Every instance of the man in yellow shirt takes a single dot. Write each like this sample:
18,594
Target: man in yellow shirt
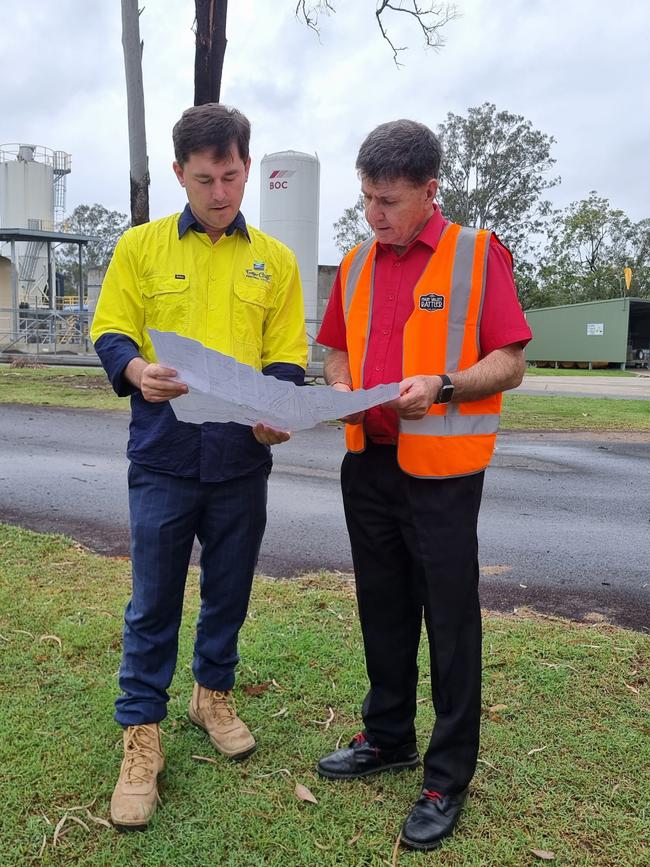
207,275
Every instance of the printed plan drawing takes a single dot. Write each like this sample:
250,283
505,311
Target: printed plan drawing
222,389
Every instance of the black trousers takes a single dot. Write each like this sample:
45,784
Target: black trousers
415,551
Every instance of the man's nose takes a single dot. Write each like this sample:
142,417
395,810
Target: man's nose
218,191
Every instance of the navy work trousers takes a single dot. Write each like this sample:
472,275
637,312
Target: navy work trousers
167,512
415,550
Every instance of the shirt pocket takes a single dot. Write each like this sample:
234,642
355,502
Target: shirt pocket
166,302
250,305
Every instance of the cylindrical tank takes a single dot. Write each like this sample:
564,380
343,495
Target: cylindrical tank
26,188
289,199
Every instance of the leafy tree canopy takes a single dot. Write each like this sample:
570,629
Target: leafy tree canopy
352,227
494,171
590,244
104,226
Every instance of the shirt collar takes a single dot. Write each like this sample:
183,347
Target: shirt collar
187,220
429,234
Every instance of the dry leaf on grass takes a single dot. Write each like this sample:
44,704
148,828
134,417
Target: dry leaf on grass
79,822
543,854
82,806
258,689
303,794
354,839
43,845
396,850
326,722
536,750
281,712
207,759
279,771
98,820
495,708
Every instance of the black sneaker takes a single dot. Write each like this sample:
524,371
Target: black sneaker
432,818
361,759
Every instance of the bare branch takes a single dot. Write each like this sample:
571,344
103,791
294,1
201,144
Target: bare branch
309,12
431,20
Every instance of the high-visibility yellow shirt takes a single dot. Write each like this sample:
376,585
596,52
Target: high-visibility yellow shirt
241,297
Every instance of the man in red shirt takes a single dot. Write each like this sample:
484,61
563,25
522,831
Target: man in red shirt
433,306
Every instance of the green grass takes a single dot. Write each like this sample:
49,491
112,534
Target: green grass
550,413
562,760
88,388
560,371
78,387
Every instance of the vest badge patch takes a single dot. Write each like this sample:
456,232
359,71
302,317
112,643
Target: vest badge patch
432,302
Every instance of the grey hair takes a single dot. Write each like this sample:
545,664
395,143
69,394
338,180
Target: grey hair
400,149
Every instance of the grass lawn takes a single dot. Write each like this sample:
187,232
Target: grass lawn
528,412
78,387
562,761
88,388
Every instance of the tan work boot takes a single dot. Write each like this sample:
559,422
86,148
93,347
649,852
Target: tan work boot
136,793
214,711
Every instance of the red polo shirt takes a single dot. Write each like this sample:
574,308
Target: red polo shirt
502,319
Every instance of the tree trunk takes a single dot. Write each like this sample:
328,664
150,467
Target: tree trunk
210,49
138,161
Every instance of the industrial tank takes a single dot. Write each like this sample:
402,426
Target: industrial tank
289,199
32,196
26,188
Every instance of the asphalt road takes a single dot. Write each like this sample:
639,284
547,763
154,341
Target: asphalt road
619,388
564,528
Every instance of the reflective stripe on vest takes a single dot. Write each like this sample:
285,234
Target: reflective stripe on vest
442,334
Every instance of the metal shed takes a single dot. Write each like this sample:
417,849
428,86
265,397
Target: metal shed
616,332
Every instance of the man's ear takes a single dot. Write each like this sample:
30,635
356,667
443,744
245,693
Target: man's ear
247,168
432,189
178,171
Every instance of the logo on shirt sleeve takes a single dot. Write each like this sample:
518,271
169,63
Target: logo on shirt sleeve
432,302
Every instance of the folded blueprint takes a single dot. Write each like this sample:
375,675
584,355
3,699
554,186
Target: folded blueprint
222,389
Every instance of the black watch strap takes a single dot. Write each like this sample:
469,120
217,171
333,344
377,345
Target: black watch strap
446,389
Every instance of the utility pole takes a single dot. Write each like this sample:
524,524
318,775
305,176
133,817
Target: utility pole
210,49
138,160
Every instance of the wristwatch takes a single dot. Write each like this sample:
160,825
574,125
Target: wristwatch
446,389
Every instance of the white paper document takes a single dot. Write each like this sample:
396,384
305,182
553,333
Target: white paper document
222,389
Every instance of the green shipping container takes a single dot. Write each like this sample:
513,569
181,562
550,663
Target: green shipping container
616,331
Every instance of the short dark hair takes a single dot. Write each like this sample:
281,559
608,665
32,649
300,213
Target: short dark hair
211,127
400,149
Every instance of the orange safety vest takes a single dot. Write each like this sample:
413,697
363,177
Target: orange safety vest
440,336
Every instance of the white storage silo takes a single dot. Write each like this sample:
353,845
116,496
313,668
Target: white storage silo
289,201
32,196
26,189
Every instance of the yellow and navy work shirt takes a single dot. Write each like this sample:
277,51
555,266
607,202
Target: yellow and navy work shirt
240,296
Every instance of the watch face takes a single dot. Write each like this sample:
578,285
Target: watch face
446,393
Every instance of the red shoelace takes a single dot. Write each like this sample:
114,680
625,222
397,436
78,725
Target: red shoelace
432,796
360,738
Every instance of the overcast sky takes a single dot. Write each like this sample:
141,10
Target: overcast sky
577,69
